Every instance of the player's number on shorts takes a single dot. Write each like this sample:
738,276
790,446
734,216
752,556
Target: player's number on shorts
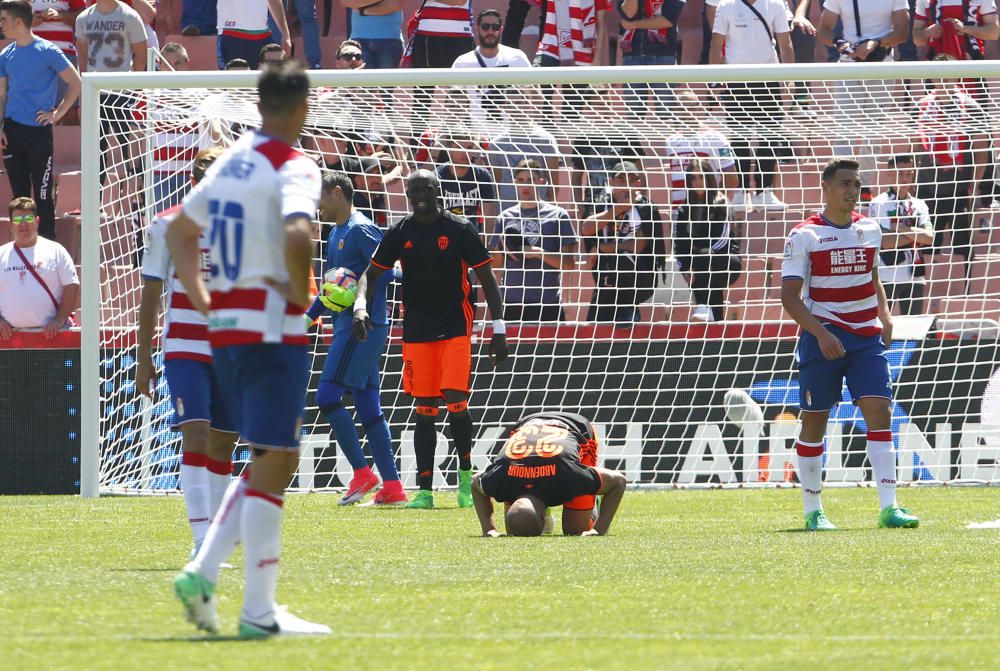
544,441
227,236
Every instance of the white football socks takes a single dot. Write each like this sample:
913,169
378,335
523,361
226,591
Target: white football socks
261,528
194,483
882,457
224,533
810,457
219,474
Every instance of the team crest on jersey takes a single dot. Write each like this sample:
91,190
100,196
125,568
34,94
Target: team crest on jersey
861,235
340,244
443,242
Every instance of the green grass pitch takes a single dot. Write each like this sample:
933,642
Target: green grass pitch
687,580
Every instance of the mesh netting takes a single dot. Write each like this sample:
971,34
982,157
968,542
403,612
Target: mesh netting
662,321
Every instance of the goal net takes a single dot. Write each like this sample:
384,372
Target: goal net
639,251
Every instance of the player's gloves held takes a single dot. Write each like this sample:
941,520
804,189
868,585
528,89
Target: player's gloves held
336,298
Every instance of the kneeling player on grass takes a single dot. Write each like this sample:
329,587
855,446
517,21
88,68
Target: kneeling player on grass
199,411
830,286
352,365
550,459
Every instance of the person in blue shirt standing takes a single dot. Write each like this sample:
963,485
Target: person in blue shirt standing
376,25
353,365
30,69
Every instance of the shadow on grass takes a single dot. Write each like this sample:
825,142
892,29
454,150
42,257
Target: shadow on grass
800,530
194,638
146,570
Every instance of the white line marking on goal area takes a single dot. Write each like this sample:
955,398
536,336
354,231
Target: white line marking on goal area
995,524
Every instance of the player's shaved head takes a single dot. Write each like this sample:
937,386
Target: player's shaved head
420,179
525,517
422,191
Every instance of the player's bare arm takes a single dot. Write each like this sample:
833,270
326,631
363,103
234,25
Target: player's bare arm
484,509
494,301
884,309
185,249
366,292
149,313
299,248
791,300
612,490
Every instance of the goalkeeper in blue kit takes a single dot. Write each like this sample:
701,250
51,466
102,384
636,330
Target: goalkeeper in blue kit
351,365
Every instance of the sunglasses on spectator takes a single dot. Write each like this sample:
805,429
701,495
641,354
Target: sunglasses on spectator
23,219
490,26
350,56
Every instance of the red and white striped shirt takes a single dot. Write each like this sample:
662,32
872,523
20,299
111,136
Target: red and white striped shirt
938,11
570,33
944,119
178,133
835,264
243,202
57,32
707,144
441,20
185,330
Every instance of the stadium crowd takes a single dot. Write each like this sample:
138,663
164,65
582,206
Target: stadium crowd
721,164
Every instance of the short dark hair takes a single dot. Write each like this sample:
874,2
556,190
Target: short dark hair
335,178
894,161
22,203
203,161
529,165
18,9
831,168
488,12
270,48
235,63
282,86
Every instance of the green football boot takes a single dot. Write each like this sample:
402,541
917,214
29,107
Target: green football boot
818,521
198,597
894,517
423,499
464,488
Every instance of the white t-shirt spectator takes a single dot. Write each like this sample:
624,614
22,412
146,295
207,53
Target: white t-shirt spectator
876,17
707,144
242,18
747,39
507,57
893,213
24,304
110,37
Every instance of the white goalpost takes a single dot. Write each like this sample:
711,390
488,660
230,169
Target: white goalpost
661,321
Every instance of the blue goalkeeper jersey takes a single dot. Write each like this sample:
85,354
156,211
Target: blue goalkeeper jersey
351,245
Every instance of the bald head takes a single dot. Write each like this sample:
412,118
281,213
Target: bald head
422,191
525,517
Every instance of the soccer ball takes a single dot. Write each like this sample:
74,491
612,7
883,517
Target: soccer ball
340,287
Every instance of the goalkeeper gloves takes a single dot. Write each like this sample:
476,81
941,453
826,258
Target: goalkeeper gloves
336,298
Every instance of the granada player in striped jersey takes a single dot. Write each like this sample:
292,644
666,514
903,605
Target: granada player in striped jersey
258,200
830,286
199,411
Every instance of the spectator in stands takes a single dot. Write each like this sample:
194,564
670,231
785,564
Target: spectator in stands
956,148
243,29
198,18
375,27
579,37
111,37
533,241
29,69
648,37
486,102
350,56
237,64
54,21
802,25
442,33
517,13
39,287
467,190
906,228
868,36
146,9
603,143
755,32
174,56
525,138
955,27
370,197
271,53
308,27
626,236
695,140
707,251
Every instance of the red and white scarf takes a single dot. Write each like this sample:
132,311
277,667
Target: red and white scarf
570,34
